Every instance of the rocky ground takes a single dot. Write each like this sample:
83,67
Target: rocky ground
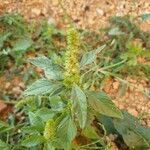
91,14
87,14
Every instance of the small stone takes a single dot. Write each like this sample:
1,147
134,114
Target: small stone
131,88
143,108
36,11
55,2
16,90
140,86
51,21
7,85
133,112
44,11
100,11
116,85
22,85
121,106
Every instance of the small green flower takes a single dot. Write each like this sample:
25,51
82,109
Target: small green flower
50,130
72,68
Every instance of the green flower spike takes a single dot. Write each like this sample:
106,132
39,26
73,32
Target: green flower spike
50,130
72,68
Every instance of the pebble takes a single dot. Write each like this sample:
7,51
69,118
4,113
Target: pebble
16,90
133,112
55,2
51,21
7,85
36,12
116,85
100,11
21,85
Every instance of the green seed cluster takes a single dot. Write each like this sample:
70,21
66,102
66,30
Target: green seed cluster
72,68
50,130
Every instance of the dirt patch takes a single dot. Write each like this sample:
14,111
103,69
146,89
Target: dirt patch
93,14
5,110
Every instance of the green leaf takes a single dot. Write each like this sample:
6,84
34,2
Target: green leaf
102,104
29,129
90,57
41,62
45,114
4,146
48,146
135,136
66,131
107,122
145,17
53,73
41,87
79,105
36,121
56,103
33,140
22,44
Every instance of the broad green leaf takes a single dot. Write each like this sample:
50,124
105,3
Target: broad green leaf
90,57
45,114
29,129
22,44
56,103
66,131
48,146
145,132
53,73
36,121
41,62
79,105
4,146
33,140
102,104
41,87
135,135
145,17
108,124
